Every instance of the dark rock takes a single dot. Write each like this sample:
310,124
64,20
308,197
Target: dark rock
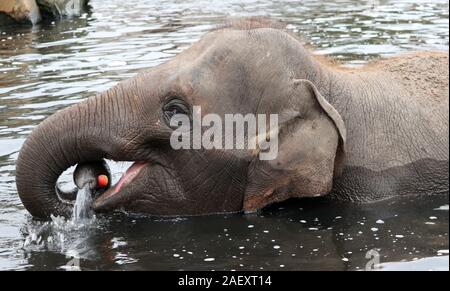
51,9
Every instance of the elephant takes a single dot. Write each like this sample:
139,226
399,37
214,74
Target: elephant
21,11
31,12
356,134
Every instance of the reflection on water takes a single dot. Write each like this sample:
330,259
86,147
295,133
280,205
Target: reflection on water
48,67
307,235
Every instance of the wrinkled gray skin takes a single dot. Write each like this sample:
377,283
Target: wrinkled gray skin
362,134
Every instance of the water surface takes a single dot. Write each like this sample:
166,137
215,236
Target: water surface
50,66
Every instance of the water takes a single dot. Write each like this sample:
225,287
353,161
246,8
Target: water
82,209
48,67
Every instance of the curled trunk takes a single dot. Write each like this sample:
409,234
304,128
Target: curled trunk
77,134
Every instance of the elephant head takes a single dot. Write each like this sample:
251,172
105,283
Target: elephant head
241,68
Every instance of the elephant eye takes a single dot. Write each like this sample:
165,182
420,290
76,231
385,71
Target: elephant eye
174,107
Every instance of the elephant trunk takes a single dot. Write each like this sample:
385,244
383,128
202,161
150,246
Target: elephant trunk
81,133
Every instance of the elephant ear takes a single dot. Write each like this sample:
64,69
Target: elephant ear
311,150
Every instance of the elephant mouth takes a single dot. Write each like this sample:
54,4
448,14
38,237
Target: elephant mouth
112,196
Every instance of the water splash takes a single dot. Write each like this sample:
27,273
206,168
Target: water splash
73,237
65,235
